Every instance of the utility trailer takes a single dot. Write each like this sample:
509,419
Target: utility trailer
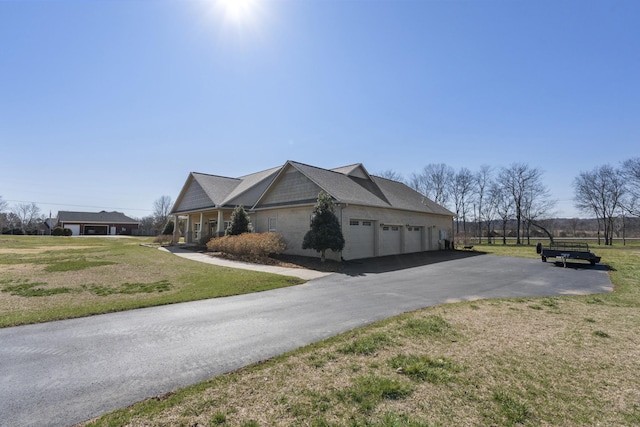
567,250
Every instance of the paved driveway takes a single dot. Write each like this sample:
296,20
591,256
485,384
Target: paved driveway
60,373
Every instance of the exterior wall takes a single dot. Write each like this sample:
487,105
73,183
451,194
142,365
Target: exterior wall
99,229
294,222
431,225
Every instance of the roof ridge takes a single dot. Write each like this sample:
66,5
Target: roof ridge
212,175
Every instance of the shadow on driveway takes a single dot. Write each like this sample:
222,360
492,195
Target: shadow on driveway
386,264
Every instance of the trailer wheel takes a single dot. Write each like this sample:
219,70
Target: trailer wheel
593,262
539,248
544,259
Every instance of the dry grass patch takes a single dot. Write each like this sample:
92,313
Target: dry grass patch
496,362
570,361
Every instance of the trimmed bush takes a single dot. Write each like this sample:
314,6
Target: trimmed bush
59,231
258,245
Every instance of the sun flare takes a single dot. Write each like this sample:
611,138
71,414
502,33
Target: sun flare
237,10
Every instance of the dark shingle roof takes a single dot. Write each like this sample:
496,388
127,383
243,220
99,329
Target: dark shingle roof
95,217
216,187
348,184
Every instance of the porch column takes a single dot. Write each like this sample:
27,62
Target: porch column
220,230
201,234
176,231
188,237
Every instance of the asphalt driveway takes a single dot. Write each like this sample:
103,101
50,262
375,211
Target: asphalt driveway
61,373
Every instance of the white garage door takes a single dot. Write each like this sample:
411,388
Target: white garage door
390,240
75,229
361,239
413,239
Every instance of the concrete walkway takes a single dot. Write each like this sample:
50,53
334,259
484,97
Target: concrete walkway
302,273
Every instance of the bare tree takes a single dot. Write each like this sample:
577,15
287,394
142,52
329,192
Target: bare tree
27,214
489,207
518,180
482,184
574,223
390,174
434,182
537,206
601,192
461,188
161,209
631,173
503,207
3,215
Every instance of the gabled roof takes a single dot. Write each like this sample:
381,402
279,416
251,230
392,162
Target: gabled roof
342,187
216,187
222,191
348,184
95,217
250,181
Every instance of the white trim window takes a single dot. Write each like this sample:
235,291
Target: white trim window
273,225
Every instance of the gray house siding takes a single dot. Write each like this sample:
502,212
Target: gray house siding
194,198
292,188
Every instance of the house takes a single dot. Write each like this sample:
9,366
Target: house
97,223
378,216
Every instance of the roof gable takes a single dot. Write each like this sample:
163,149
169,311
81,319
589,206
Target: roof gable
203,191
356,171
290,186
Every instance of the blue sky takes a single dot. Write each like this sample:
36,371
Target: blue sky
109,104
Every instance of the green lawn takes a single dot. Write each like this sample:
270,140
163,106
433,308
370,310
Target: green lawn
560,361
45,278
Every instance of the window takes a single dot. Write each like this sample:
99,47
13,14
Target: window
354,222
385,228
366,223
395,228
273,224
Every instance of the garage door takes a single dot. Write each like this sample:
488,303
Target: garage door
413,239
75,229
361,239
390,240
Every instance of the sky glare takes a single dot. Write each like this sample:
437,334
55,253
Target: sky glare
109,104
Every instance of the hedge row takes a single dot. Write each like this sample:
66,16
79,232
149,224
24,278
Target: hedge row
259,245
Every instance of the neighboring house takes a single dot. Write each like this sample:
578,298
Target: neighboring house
97,223
378,216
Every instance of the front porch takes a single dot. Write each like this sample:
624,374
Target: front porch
199,227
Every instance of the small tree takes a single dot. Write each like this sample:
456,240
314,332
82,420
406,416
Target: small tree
325,232
240,222
168,228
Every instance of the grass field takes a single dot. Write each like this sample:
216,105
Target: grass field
562,361
46,278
